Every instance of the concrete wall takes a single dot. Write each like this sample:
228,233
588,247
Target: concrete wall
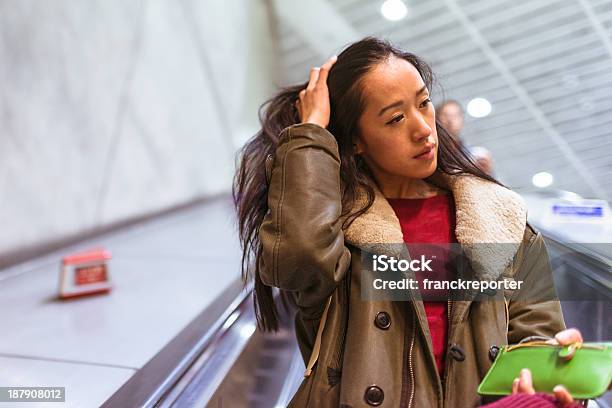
111,109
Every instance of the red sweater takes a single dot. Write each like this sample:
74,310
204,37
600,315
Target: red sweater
426,221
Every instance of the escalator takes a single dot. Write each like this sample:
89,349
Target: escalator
220,360
583,279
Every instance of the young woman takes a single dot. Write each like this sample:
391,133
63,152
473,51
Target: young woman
352,158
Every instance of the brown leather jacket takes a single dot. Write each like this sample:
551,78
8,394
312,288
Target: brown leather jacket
379,353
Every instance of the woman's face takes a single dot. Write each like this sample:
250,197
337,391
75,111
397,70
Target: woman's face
398,122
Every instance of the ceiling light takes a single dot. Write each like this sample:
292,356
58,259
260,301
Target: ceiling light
478,107
393,10
542,179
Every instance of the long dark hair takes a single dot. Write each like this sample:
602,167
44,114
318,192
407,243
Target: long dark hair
347,104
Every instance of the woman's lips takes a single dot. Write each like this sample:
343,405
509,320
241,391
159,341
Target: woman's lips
426,155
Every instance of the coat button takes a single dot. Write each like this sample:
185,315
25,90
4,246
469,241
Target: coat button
382,320
457,352
374,395
493,351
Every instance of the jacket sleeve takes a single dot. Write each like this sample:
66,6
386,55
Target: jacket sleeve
301,235
535,309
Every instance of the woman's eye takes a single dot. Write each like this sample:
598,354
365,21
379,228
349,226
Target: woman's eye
396,119
425,102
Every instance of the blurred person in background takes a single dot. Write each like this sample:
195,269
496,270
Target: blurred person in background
451,116
354,157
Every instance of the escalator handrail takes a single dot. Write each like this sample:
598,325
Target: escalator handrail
594,256
148,386
599,266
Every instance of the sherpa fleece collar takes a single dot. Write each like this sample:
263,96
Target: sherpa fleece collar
486,213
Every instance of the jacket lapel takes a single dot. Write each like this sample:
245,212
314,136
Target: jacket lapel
490,222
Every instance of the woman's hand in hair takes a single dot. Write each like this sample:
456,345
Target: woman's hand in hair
313,103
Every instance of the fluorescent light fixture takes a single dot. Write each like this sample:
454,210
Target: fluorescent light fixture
542,179
393,10
478,108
